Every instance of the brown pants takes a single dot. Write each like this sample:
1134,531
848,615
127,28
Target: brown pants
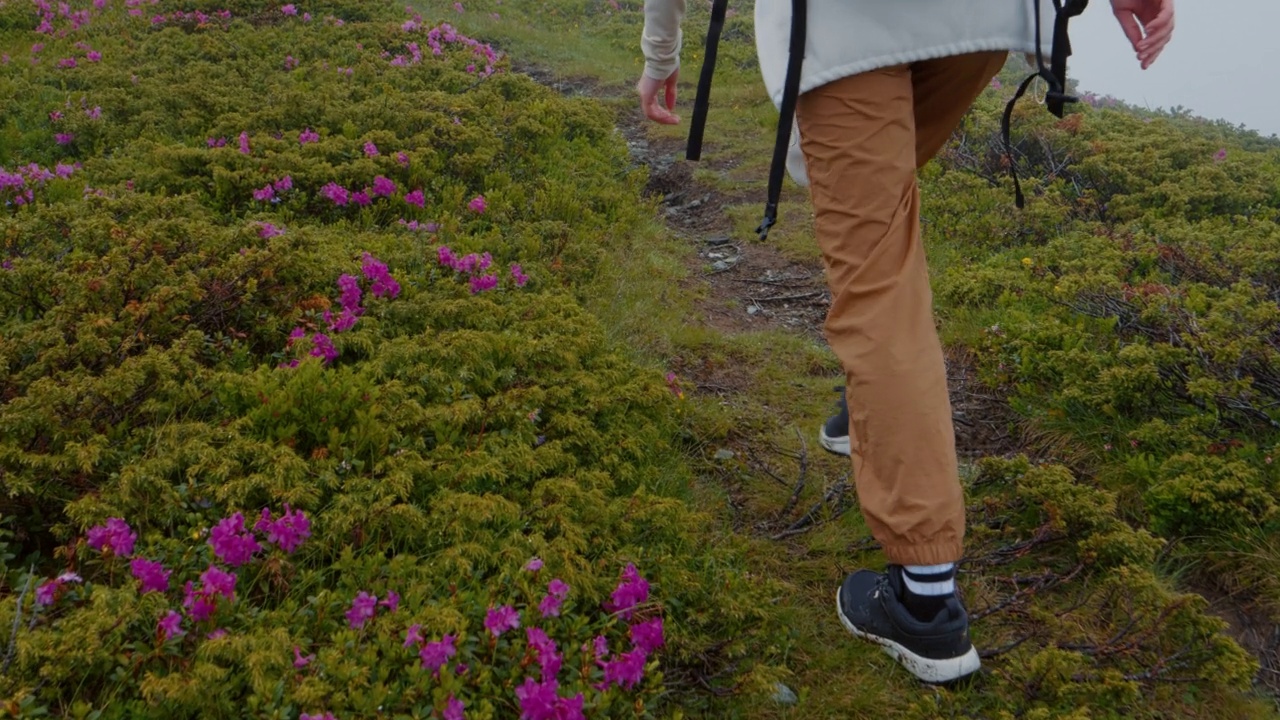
863,138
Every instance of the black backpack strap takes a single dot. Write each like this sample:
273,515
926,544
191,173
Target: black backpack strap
790,94
703,100
1054,75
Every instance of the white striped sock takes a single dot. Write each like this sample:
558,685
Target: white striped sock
931,580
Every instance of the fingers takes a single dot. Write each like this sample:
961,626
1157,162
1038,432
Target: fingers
652,106
671,93
1129,24
1159,32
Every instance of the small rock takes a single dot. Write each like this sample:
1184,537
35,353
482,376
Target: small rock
694,204
719,240
723,454
716,255
784,695
753,309
721,266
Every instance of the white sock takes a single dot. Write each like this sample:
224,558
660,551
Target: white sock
930,580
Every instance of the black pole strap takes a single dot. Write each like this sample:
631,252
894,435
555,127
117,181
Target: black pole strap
1054,74
790,94
702,102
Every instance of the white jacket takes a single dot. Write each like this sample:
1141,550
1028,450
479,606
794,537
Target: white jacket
847,37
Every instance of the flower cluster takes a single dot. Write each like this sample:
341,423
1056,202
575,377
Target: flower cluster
270,191
75,19
350,299
308,136
475,266
115,535
365,605
231,542
18,187
445,34
197,17
47,593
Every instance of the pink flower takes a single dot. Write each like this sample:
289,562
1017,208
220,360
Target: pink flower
67,63
533,565
627,670
501,619
308,136
549,658
335,192
392,601
631,591
231,543
169,626
435,654
478,204
288,532
94,113
317,716
264,193
93,56
64,138
557,591
55,116
116,534
413,635
47,592
647,635
362,609
416,198
299,661
1220,155
284,184
383,285
322,347
217,633
154,576
289,9
370,150
383,187
453,709
402,158
517,274
269,230
480,283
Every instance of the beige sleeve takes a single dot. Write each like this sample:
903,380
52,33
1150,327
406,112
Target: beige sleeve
662,37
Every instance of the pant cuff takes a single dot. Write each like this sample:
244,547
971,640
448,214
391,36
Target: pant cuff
930,554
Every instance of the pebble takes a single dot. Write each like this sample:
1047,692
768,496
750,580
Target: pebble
784,695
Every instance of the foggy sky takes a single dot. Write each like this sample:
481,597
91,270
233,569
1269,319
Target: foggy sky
1220,64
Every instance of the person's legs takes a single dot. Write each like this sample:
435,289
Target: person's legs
864,137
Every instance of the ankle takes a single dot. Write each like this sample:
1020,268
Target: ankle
926,588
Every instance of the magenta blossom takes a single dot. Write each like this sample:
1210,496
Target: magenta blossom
383,285
383,187
48,592
631,591
322,347
264,193
217,633
453,709
244,143
231,543
413,636
541,701
626,670
317,716
308,136
549,657
288,532
478,204
170,626
269,230
647,636
64,138
481,283
289,9
416,198
435,654
533,565
362,609
392,601
115,534
299,660
517,274
152,574
557,591
402,158
501,619
335,192
370,150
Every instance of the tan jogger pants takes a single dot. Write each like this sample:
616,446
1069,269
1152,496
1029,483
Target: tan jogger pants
863,138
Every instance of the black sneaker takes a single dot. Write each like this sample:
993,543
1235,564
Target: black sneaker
938,651
834,435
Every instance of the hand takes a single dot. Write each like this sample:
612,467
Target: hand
659,111
1150,18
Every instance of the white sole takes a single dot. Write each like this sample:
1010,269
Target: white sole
837,445
931,671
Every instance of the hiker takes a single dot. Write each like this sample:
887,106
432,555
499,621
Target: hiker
883,85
